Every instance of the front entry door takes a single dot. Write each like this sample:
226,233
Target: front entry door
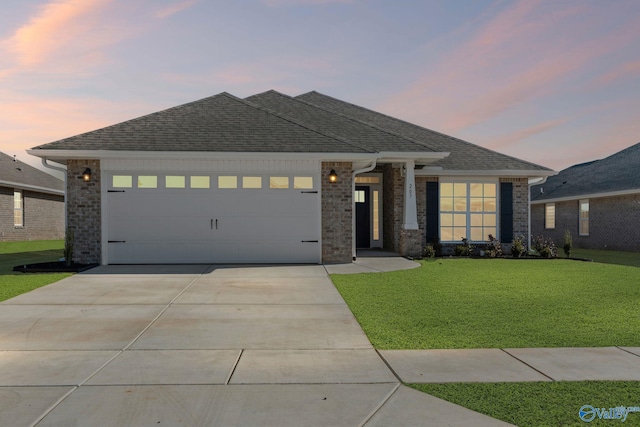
363,217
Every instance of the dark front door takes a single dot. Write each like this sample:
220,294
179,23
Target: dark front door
363,217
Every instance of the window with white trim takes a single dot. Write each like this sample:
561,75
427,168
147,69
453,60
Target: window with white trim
468,210
584,217
549,216
18,209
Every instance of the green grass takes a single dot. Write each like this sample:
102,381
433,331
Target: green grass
539,403
20,253
497,303
607,257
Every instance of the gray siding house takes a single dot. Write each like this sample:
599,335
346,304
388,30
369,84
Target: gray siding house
280,179
598,202
31,202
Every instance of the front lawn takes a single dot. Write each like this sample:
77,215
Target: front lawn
607,257
542,404
497,303
20,253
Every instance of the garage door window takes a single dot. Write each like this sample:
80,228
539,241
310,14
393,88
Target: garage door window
279,182
122,181
251,182
174,181
303,182
227,182
147,181
200,182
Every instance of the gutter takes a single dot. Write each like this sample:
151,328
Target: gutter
353,212
64,171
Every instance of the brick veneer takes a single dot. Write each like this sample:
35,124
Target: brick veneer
43,216
84,210
393,202
613,223
337,209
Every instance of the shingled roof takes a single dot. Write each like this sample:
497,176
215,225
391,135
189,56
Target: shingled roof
221,123
464,155
18,174
618,172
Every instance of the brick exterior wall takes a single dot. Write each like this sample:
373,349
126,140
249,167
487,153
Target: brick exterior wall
613,223
43,216
337,211
393,202
84,211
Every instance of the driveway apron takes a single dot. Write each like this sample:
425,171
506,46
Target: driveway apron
200,345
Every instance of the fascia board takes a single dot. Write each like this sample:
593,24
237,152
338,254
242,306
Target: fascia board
19,186
504,173
587,196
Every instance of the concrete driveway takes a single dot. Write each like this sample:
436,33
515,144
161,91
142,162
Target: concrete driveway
200,346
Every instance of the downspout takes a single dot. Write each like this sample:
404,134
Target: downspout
530,184
353,212
64,172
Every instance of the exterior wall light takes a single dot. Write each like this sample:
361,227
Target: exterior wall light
86,175
333,176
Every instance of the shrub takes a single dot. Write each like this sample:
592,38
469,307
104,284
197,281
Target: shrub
567,243
465,249
545,247
494,248
518,247
429,251
437,246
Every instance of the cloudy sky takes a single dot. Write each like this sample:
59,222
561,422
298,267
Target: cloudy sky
554,82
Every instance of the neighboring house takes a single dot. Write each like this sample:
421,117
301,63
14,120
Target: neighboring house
598,202
31,202
279,179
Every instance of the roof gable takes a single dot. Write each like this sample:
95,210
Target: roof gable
464,155
17,173
618,172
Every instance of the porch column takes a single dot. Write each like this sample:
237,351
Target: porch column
410,206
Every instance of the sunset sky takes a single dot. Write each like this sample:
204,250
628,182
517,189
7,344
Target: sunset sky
554,82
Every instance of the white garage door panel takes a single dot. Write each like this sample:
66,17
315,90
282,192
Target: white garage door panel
212,225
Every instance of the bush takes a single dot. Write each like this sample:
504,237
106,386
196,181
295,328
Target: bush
494,248
518,247
437,246
568,243
429,251
545,247
465,249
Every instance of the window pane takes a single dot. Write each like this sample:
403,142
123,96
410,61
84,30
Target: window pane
279,182
200,182
228,181
376,215
460,220
17,218
174,181
476,190
147,181
446,204
367,180
460,190
446,234
122,181
459,233
477,234
489,220
476,220
476,205
490,190
489,205
550,215
490,230
359,196
460,205
251,182
446,220
446,189
303,182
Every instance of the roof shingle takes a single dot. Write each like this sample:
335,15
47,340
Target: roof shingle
20,173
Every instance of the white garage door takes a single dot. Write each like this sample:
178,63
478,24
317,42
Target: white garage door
212,218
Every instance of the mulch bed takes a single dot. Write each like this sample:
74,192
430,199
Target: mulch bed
53,267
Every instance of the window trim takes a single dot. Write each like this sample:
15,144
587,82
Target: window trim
548,226
19,209
582,220
468,212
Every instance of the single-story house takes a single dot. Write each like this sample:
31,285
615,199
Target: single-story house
31,202
598,202
279,179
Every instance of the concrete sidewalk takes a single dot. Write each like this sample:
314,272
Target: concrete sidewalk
200,346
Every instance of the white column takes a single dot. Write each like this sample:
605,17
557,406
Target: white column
410,207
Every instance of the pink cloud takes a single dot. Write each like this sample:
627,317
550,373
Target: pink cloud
56,25
175,8
274,3
628,69
522,134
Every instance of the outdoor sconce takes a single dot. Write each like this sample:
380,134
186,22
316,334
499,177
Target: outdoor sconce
86,175
333,176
